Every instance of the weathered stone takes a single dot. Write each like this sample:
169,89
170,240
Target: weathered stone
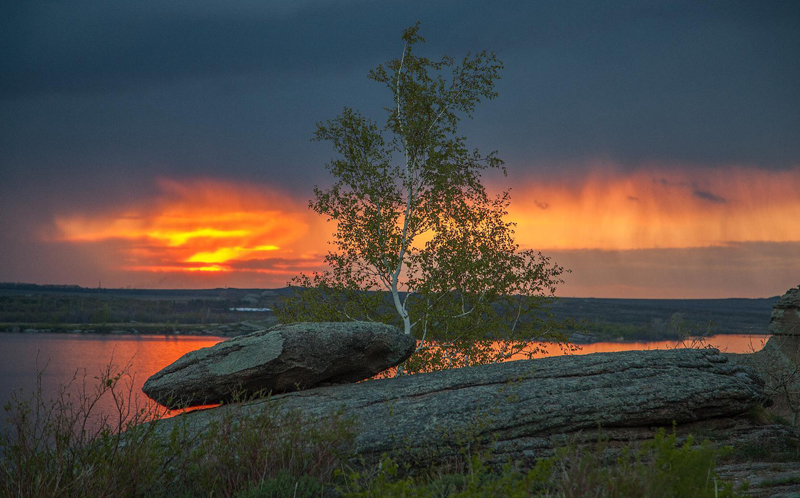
283,359
785,319
779,352
763,479
778,363
522,405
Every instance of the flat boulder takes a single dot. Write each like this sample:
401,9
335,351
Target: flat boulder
282,359
519,408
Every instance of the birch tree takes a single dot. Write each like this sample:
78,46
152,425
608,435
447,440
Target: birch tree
418,240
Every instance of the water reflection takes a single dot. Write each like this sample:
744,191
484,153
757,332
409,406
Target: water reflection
61,356
728,343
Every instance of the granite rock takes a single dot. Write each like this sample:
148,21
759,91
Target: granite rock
282,359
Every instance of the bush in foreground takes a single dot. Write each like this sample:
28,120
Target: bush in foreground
64,447
657,468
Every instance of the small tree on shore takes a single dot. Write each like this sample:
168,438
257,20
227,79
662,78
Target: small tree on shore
415,225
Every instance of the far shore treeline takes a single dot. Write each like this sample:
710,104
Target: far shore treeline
65,308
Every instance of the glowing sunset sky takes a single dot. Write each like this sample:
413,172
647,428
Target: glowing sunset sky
652,147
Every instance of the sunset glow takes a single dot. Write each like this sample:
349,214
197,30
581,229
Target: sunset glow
224,254
212,232
203,226
180,238
652,209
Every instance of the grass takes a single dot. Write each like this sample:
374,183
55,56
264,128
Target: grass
779,481
658,468
63,447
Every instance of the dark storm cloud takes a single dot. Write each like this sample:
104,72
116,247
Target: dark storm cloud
234,88
678,82
708,196
99,98
96,46
541,205
696,191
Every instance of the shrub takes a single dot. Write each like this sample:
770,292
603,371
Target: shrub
241,449
63,447
657,468
285,485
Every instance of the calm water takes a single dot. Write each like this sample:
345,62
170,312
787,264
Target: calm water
729,343
61,356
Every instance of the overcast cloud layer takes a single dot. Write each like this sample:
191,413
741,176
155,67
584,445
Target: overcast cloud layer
98,99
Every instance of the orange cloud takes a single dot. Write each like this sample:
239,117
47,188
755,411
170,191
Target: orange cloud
200,226
646,209
656,232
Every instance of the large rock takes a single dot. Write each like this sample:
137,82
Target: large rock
785,319
520,405
282,359
778,362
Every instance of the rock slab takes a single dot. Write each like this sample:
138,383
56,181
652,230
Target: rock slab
520,405
785,319
282,359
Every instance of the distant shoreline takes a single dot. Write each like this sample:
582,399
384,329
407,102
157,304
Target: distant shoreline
16,288
234,330
144,329
217,312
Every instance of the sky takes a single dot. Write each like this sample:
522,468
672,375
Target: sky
652,147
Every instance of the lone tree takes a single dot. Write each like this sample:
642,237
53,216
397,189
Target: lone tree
415,225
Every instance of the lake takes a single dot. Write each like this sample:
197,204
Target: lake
62,356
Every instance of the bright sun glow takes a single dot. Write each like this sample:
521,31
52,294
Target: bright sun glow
180,238
202,226
224,254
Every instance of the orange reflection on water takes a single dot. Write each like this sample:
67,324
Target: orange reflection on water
64,354
170,350
728,343
90,357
